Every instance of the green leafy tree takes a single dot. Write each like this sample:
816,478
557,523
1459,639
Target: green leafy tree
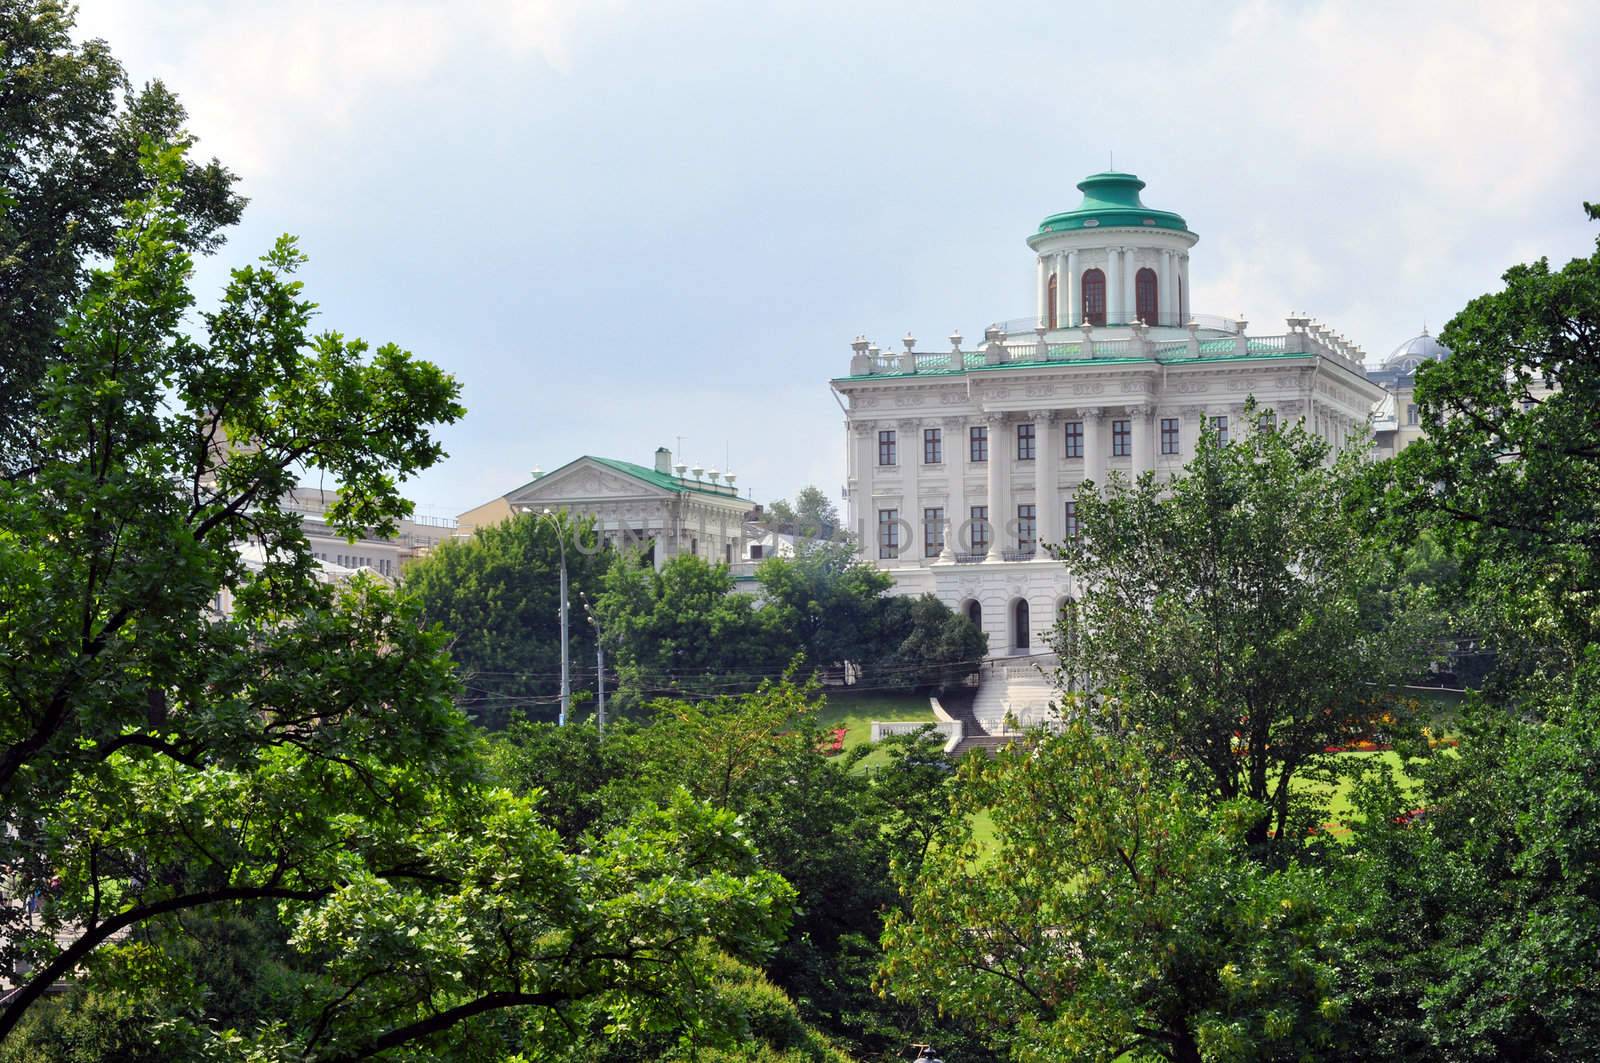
1508,474
923,644
685,628
71,127
813,515
1236,615
498,595
1482,914
827,600
301,759
1115,916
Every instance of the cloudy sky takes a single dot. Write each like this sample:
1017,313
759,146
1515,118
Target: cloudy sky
623,223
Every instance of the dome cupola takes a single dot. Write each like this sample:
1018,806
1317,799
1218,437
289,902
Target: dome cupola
1112,198
1112,261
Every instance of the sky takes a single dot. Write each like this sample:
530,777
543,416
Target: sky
626,225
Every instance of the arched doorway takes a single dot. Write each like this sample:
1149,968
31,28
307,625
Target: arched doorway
1019,624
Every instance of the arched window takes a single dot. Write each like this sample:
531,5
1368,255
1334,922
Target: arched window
1147,308
1094,297
1050,313
975,613
1019,620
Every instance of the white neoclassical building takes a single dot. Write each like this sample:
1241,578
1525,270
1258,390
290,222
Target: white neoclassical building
663,509
962,461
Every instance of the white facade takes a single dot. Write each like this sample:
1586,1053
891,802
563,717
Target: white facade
1017,426
665,510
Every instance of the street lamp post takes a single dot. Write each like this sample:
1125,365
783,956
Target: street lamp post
566,671
600,665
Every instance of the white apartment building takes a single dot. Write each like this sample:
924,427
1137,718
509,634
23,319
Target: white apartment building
962,461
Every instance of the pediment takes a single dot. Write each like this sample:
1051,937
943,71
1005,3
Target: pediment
584,481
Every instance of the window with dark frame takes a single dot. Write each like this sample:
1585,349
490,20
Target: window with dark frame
1169,435
1025,442
1411,413
978,528
933,531
1121,439
886,448
888,533
978,443
1074,439
1146,304
1027,525
1220,426
932,446
1070,528
1094,296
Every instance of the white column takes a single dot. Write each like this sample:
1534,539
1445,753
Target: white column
1183,286
866,521
1169,291
1047,465
955,500
1043,289
1094,444
909,435
1114,286
999,497
1074,296
1143,459
1128,301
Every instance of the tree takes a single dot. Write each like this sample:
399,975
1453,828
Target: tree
1482,915
498,595
684,628
812,516
71,127
1235,614
302,758
827,600
1115,914
1508,473
924,645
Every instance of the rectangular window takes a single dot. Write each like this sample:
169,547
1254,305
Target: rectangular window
1121,439
978,531
888,533
932,446
1074,439
933,531
1220,426
1071,525
755,551
1411,413
978,443
1267,420
1025,442
1027,526
886,448
1169,435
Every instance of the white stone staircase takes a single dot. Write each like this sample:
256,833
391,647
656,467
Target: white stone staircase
1019,687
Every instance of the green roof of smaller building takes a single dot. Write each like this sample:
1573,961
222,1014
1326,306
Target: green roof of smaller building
664,480
1112,199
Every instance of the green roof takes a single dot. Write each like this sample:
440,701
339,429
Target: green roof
664,479
1112,198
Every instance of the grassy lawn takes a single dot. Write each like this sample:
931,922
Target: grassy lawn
855,713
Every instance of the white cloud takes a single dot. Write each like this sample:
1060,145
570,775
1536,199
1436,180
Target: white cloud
261,81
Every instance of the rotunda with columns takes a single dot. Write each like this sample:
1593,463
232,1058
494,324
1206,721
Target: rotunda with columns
963,461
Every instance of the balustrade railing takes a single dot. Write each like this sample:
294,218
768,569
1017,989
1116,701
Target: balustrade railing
1209,337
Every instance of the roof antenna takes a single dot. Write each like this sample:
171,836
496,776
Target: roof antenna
1111,161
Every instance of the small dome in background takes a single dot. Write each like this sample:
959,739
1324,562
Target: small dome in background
1413,352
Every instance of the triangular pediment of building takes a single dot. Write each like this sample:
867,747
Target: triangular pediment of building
584,480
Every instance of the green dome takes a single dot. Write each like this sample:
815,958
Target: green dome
1111,198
